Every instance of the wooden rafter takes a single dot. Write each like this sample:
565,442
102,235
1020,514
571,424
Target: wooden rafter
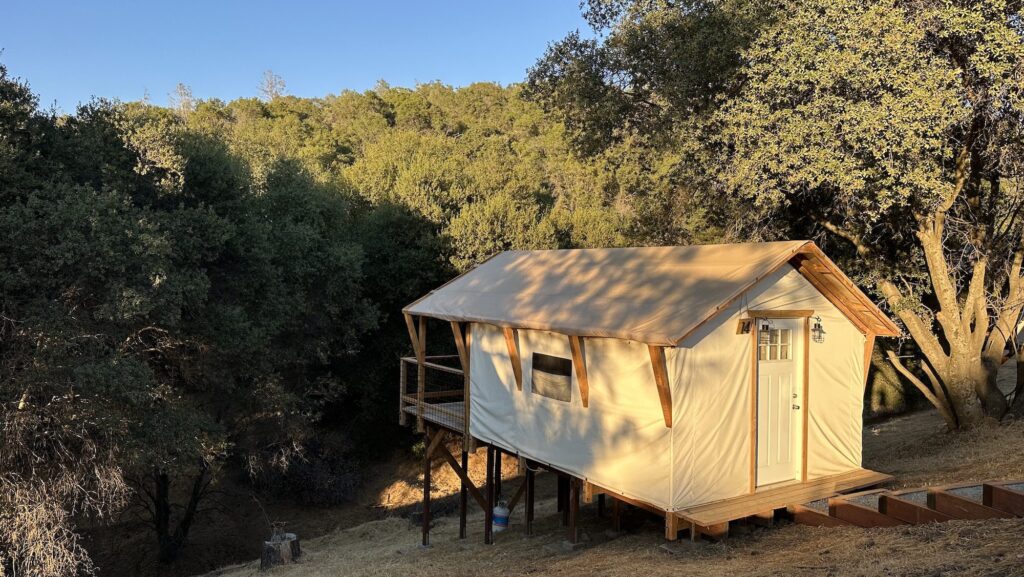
869,347
410,324
579,362
460,344
661,381
513,355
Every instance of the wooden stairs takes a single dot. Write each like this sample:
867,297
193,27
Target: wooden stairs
884,508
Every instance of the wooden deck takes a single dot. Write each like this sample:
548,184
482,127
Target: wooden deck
446,415
777,497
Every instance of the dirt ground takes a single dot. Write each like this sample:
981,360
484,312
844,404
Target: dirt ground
914,448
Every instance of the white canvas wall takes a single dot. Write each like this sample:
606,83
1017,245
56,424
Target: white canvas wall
711,378
621,442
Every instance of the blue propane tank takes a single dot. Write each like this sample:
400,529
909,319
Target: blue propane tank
501,514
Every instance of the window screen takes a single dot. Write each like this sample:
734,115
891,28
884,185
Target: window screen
552,377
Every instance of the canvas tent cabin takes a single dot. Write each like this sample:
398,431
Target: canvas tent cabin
707,383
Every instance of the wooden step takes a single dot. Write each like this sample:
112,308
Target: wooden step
963,501
910,506
815,514
1006,496
861,509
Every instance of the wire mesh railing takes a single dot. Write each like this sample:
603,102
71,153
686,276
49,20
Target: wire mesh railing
433,392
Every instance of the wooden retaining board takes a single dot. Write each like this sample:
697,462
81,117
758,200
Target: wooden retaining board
850,509
1007,496
945,500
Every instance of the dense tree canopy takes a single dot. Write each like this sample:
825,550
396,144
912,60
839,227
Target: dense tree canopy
889,131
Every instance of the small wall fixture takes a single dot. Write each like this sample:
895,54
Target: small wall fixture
817,331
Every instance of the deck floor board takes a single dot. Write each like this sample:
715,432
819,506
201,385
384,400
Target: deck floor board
781,496
447,415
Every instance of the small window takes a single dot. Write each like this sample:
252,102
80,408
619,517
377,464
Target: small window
779,345
552,377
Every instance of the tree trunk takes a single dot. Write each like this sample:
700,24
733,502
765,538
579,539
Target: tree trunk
1018,389
171,541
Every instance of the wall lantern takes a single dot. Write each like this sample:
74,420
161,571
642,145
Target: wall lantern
764,335
817,331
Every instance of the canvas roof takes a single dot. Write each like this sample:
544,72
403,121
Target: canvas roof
656,295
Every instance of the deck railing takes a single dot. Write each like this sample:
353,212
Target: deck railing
439,400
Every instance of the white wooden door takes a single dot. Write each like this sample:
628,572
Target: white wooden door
778,400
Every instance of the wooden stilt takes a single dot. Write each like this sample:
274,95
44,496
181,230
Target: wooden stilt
563,498
426,491
574,510
497,474
489,511
463,496
671,526
616,514
530,496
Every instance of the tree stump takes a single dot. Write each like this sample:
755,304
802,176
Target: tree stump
281,549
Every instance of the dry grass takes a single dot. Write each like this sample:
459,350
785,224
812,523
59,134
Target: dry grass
913,447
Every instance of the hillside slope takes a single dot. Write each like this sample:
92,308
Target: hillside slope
913,448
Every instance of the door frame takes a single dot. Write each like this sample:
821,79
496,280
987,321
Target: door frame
805,339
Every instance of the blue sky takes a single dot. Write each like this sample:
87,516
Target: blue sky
71,51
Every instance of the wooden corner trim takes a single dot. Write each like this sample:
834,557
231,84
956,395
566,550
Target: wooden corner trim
579,363
661,381
753,411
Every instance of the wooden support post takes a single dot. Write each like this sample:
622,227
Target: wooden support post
764,518
513,355
463,496
661,381
426,491
467,438
671,526
421,372
579,362
530,497
403,375
715,532
497,474
616,515
600,506
489,511
563,498
574,510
